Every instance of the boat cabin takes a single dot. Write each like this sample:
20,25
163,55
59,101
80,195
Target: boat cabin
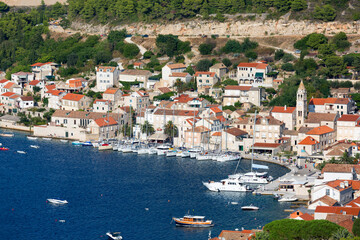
189,218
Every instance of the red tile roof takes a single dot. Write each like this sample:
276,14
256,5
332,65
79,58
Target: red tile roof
236,132
108,121
111,91
7,94
320,130
279,109
322,101
354,211
308,141
27,98
50,87
3,80
40,64
254,65
9,85
176,65
349,118
164,89
54,92
307,217
138,63
15,96
241,88
216,134
339,168
34,82
337,185
105,68
216,110
212,74
179,74
73,97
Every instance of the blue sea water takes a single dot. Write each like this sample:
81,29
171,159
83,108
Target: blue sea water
110,191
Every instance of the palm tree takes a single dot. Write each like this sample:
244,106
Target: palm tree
341,233
147,128
171,130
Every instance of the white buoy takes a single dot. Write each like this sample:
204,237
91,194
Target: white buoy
147,209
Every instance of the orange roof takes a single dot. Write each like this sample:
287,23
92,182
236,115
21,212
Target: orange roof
101,100
179,74
73,97
221,118
102,122
7,94
308,141
40,64
9,85
278,80
34,82
212,74
216,134
105,68
14,96
355,184
336,184
176,65
74,83
320,130
50,87
216,110
285,109
3,80
349,118
241,88
307,217
322,101
111,91
254,65
138,63
355,211
54,92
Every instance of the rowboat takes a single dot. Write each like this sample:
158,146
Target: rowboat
77,143
287,199
6,134
250,208
34,146
31,138
56,201
193,222
21,152
114,235
105,146
64,140
46,138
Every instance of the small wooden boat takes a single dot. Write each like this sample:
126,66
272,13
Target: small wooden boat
77,143
287,199
21,152
31,138
34,146
193,222
64,140
114,235
250,208
6,134
4,149
56,201
46,138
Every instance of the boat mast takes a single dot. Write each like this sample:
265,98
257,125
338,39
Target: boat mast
193,130
145,116
252,149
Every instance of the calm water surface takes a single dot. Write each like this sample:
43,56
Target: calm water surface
109,191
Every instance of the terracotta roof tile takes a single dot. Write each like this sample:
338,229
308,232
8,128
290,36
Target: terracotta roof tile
339,168
27,98
105,68
349,118
73,97
179,74
319,117
176,65
327,200
320,130
111,90
278,109
308,141
234,87
322,101
7,94
267,145
254,65
107,121
34,82
212,74
236,132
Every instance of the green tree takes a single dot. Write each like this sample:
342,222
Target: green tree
326,50
4,7
203,65
148,54
298,5
171,130
340,41
356,227
232,46
207,97
230,82
279,54
251,55
288,57
335,66
117,36
315,40
130,50
226,62
205,48
341,233
147,128
325,13
288,67
261,236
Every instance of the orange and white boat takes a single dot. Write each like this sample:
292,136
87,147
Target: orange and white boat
193,221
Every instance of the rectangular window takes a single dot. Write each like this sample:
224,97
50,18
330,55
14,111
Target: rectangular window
328,192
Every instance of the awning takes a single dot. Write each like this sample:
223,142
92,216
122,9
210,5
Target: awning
158,137
259,75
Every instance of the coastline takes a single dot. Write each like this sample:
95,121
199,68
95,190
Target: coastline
17,128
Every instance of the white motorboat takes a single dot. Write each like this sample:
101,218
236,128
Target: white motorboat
21,152
105,146
227,157
162,149
195,151
114,235
183,154
152,151
287,199
127,149
234,203
203,157
46,138
31,138
249,208
227,185
171,153
56,201
251,178
34,146
143,151
64,140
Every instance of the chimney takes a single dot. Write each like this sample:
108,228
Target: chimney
344,212
346,183
342,185
285,107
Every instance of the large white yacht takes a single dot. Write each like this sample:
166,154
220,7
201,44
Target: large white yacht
162,149
195,151
227,157
227,185
251,178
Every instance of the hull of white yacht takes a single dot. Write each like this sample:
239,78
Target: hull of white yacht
225,187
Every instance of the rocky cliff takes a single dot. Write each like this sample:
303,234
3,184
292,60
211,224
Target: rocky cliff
280,27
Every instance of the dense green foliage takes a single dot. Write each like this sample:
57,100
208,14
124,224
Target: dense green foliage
203,65
356,227
234,46
165,96
325,13
207,97
230,82
295,229
206,48
171,45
